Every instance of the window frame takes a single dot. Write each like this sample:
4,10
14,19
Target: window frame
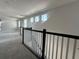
44,15
38,17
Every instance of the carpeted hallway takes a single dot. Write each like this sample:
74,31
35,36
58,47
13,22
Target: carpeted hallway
11,48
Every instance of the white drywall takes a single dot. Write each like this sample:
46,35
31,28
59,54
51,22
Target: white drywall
64,19
9,26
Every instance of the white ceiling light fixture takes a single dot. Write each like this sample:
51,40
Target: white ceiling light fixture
20,16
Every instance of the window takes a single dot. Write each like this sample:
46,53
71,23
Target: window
44,17
37,18
18,23
32,20
25,23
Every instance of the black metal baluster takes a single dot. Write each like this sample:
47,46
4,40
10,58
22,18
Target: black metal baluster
57,47
22,35
61,47
53,47
67,50
74,49
43,45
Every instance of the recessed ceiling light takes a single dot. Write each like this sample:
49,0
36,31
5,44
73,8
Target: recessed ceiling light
19,16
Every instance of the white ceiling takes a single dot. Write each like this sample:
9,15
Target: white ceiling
20,7
16,8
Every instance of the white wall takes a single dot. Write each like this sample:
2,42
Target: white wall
9,26
64,19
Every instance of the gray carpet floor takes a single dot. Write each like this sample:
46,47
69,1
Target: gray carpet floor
11,48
